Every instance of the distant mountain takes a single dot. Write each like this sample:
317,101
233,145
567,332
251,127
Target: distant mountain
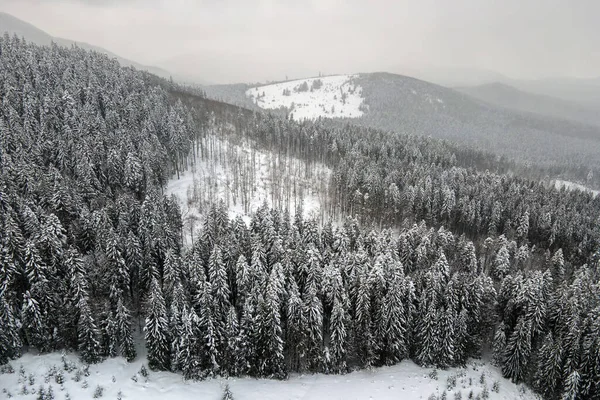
15,26
451,76
585,92
408,105
510,97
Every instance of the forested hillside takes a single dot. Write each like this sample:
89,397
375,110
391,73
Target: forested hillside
538,145
424,256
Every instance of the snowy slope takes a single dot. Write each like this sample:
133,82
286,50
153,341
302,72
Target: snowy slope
574,186
403,381
337,97
244,178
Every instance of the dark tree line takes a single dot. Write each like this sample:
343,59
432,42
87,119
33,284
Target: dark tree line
429,259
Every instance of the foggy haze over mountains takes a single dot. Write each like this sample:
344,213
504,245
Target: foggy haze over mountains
460,43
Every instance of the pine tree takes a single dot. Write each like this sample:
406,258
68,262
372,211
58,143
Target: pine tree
157,329
338,340
502,263
517,351
89,346
125,337
10,341
232,351
395,319
314,318
549,368
270,343
571,389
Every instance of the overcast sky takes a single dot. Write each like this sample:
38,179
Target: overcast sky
256,40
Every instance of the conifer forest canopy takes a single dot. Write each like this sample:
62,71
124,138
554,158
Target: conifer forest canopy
423,250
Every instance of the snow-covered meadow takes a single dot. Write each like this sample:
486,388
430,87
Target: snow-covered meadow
115,378
329,96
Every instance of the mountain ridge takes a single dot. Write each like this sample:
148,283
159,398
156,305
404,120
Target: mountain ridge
16,26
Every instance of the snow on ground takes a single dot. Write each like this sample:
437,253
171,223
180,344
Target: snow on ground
574,186
244,178
405,381
337,97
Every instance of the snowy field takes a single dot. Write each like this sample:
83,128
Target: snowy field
336,97
574,186
244,178
115,378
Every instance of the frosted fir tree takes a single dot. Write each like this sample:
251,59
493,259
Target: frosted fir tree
88,343
517,352
124,331
232,349
558,267
364,339
502,263
270,342
338,337
571,387
157,329
296,329
549,367
395,319
523,227
10,341
314,318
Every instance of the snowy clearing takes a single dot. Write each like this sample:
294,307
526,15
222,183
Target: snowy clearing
574,186
403,381
244,178
329,96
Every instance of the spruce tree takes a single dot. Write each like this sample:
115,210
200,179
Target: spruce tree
157,329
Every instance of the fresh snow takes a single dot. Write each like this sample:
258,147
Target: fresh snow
338,97
574,186
405,381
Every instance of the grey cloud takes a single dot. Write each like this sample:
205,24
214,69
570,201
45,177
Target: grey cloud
241,40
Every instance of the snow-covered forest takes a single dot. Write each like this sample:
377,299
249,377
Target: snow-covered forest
417,252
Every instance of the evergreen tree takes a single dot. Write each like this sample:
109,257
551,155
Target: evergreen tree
157,329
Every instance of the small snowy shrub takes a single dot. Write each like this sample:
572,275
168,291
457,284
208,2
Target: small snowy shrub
50,393
458,395
77,376
98,392
41,394
144,371
432,396
227,395
7,369
451,382
120,395
485,394
134,378
59,378
471,395
482,378
114,379
433,374
31,380
86,370
84,384
444,396
496,387
24,390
